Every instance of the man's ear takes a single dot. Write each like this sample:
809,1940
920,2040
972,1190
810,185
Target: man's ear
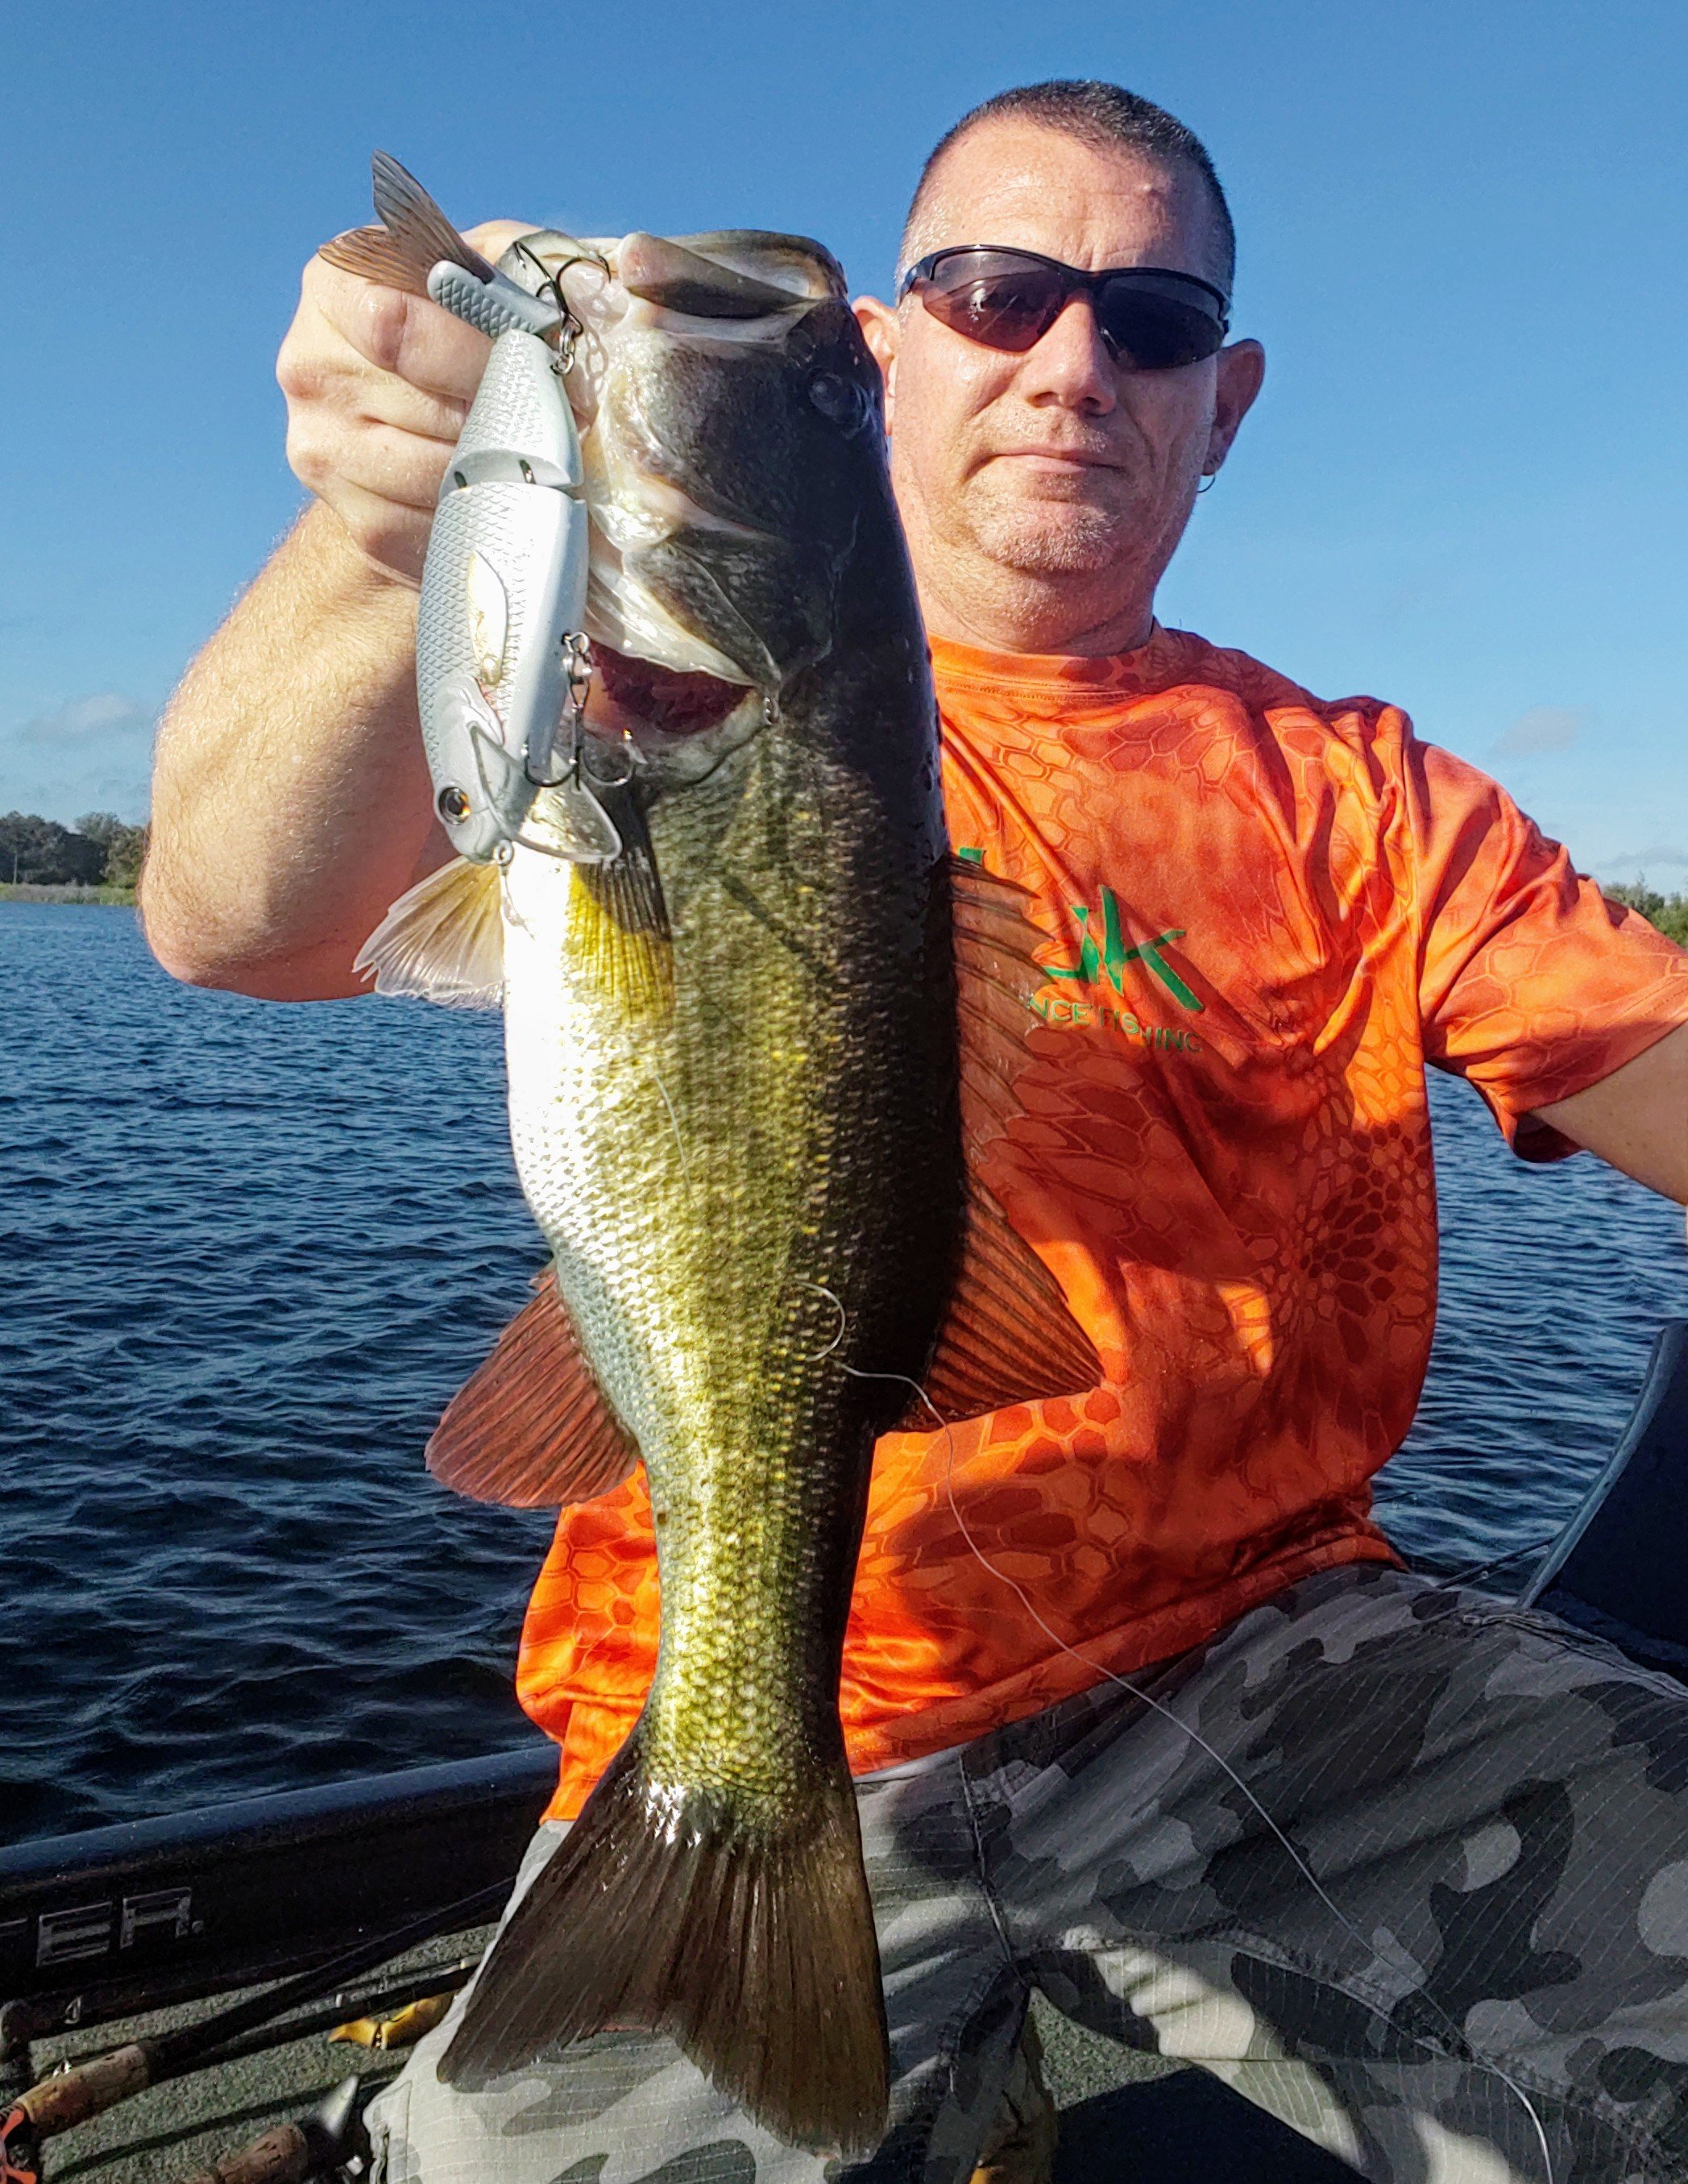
879,329
1242,367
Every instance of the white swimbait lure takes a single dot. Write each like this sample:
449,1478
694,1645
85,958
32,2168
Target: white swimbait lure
501,657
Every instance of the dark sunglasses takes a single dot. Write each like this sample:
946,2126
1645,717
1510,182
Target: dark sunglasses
1149,318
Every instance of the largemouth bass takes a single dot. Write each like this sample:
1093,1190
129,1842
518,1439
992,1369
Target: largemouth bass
744,1072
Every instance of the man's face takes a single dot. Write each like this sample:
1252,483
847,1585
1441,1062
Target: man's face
1054,465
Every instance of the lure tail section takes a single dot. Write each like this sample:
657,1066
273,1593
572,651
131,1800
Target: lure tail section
417,249
753,1948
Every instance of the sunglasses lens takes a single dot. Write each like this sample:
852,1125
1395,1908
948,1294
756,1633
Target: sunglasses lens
1148,332
1150,322
1003,306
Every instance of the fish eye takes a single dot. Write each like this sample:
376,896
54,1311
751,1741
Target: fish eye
453,805
838,400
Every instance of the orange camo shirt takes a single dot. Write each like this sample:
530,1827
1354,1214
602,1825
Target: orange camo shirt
1266,913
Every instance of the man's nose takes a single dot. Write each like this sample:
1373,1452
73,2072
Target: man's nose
1071,364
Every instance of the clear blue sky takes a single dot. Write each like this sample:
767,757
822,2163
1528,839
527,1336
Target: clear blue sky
1462,240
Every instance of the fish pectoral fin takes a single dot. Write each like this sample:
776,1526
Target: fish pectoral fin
618,921
531,1428
748,1941
1008,1336
442,940
997,973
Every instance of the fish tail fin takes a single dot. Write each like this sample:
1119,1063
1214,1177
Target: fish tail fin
752,1947
415,236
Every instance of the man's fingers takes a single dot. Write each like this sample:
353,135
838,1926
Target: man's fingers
410,336
416,340
395,536
317,368
494,237
378,384
325,452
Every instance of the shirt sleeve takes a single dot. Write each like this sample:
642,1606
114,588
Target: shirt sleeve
1531,983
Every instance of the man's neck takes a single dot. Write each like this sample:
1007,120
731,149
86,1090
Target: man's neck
1026,615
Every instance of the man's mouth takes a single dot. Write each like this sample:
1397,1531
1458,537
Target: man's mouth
1059,459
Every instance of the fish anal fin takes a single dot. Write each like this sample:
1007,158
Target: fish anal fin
1008,1336
749,1943
531,1429
442,940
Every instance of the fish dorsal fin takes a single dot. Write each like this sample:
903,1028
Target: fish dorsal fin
997,973
531,1428
1008,1336
442,940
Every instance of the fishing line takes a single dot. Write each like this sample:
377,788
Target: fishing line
680,1148
1476,1571
821,1356
1460,2045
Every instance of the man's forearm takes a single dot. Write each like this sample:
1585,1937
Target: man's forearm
291,799
1637,1117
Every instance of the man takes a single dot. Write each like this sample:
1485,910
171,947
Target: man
1143,1710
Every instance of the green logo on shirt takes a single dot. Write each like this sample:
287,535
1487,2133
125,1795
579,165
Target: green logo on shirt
1108,960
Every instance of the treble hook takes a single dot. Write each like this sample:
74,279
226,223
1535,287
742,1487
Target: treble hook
592,835
572,724
551,279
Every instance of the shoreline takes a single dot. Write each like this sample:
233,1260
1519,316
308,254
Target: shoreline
102,898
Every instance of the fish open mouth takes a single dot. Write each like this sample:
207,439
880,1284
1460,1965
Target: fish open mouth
637,693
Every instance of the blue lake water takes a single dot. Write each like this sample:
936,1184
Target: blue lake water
249,1250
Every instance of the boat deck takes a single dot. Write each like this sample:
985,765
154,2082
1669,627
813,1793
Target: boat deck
283,1875
1126,2119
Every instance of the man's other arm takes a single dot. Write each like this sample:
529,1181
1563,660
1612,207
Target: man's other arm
1637,1117
290,798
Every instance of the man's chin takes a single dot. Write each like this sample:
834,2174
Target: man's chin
1044,528
1038,541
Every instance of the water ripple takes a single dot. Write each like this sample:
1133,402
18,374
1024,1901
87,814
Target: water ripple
248,1251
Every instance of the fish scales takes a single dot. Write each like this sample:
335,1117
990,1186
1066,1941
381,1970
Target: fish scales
736,1088
751,1200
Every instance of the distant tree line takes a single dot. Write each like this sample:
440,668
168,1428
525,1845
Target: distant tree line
1669,912
100,850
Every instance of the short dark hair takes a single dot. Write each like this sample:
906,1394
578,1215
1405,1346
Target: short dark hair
1104,115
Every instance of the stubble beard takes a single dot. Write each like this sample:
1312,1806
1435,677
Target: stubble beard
1038,536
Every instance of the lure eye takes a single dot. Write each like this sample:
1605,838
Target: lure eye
453,805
